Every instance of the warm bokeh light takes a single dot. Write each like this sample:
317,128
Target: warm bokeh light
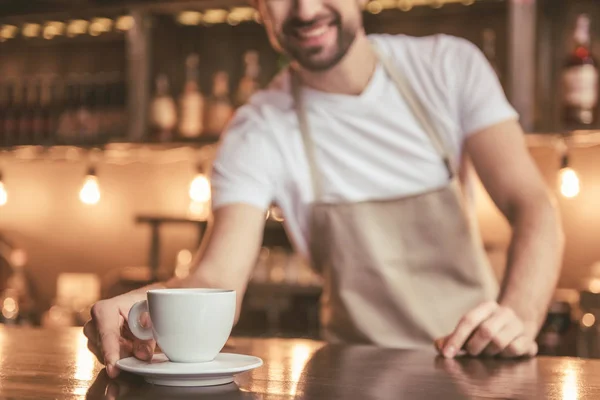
31,30
90,191
215,16
124,23
569,182
8,32
3,194
200,189
53,29
10,308
100,25
375,7
588,320
184,259
199,210
189,18
77,27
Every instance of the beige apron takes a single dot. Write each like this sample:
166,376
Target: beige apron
400,272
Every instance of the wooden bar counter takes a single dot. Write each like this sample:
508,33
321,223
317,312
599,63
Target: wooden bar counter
55,364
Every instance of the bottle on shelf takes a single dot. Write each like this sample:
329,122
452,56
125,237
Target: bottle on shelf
122,116
38,125
67,121
112,111
248,85
3,106
163,111
489,50
86,121
219,108
25,113
9,127
191,102
580,80
53,109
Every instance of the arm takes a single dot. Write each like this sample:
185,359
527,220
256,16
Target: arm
509,326
507,171
228,252
225,260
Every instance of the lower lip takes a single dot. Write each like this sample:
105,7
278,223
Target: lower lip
319,40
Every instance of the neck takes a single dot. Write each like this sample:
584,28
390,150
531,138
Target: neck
350,76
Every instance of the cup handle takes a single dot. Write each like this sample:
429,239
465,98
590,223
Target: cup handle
133,320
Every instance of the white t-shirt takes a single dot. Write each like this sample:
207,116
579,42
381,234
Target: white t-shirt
368,146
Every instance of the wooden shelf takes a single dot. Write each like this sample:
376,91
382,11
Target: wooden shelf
193,143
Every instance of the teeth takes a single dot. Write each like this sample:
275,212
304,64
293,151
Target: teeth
313,32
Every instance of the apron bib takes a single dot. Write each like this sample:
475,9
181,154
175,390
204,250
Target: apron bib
397,272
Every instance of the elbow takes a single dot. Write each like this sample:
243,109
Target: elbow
541,216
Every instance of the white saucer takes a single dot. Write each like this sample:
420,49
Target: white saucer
161,371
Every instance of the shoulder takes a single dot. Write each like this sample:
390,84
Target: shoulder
253,129
434,52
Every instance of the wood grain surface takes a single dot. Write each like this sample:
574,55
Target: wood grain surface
55,364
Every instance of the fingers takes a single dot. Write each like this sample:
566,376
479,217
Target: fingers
144,350
467,325
520,347
507,335
489,329
106,319
500,329
141,349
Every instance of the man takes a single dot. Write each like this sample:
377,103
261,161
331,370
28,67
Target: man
358,143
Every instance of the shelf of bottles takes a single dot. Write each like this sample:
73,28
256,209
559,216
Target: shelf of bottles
195,114
78,109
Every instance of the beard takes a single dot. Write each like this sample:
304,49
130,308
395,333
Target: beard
318,58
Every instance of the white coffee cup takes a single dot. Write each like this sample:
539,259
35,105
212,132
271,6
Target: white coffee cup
189,325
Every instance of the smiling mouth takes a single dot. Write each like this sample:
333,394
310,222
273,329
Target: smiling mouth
310,34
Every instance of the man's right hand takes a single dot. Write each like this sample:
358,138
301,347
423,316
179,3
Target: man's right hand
109,337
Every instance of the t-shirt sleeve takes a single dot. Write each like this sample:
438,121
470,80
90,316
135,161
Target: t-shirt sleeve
480,96
246,164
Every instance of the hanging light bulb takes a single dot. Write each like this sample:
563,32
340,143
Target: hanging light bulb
90,191
200,187
568,180
3,194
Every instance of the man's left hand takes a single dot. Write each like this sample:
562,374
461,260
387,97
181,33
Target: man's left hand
489,330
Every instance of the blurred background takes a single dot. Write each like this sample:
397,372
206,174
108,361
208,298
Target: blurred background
111,111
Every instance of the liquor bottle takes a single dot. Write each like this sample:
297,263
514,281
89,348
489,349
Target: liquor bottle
163,111
3,106
489,50
111,106
249,82
219,109
9,118
191,102
580,80
67,120
100,102
25,114
37,117
53,109
86,112
121,107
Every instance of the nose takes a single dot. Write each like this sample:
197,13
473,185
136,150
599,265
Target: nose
307,10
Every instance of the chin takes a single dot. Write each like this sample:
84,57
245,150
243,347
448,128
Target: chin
318,62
